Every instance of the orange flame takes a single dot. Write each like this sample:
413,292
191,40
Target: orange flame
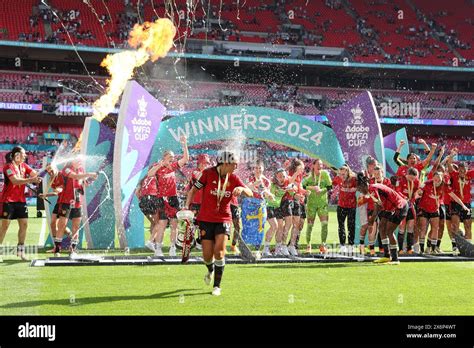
152,41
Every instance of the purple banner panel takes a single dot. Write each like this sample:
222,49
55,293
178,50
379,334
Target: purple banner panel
137,127
357,127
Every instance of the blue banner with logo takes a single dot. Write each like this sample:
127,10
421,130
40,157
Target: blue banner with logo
254,217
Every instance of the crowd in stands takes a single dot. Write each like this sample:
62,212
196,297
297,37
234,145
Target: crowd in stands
370,30
50,89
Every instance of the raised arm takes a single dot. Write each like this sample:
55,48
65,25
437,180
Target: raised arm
396,156
438,159
427,160
184,145
425,145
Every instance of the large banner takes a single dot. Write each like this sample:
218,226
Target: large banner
137,127
391,142
254,216
357,127
48,209
264,124
98,208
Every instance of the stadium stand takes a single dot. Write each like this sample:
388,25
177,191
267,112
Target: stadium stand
370,30
191,95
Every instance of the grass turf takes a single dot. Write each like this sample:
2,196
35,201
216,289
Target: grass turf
262,289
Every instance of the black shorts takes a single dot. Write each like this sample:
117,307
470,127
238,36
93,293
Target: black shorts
444,212
274,213
56,209
296,209
173,201
397,216
456,209
235,210
411,212
14,210
286,208
428,215
148,205
65,210
209,230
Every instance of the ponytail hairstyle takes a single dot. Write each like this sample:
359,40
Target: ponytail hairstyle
11,155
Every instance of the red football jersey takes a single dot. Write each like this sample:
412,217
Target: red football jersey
462,188
402,170
166,180
148,186
347,191
445,198
58,182
407,189
70,194
298,181
432,196
14,193
389,198
208,182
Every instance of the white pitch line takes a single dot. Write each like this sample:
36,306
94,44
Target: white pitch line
42,233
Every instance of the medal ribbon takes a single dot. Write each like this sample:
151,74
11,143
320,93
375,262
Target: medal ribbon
221,193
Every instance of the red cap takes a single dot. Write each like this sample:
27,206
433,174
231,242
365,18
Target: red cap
203,158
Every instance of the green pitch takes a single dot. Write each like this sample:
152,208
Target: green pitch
263,289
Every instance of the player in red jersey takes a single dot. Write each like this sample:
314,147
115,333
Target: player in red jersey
147,194
445,201
17,174
70,203
407,186
391,208
431,194
377,178
346,206
219,184
57,184
298,210
413,160
164,171
286,189
288,210
461,185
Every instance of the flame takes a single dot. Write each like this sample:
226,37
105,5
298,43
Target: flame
152,41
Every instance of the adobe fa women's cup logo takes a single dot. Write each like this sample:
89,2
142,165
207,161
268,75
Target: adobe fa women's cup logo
357,134
141,125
